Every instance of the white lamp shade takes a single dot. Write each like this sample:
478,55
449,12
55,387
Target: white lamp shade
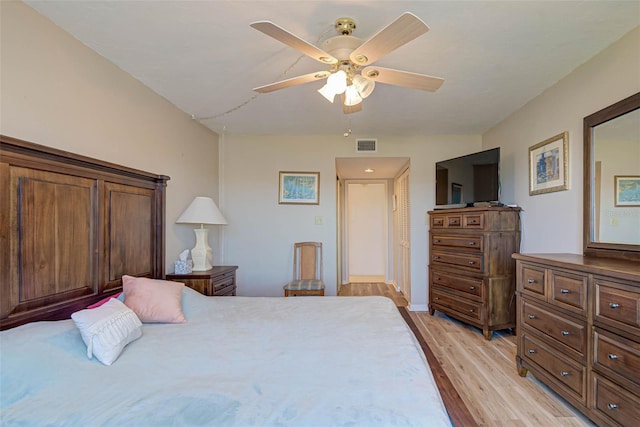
351,96
327,92
338,82
202,210
364,85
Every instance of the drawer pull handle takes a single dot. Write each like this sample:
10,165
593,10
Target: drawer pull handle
612,356
472,288
436,298
471,310
532,351
437,241
614,305
564,373
612,406
565,333
472,243
531,281
531,316
471,262
436,257
564,291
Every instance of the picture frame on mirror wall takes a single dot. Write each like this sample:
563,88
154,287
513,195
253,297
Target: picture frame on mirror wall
627,190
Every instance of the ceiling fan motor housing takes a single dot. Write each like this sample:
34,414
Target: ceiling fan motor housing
340,47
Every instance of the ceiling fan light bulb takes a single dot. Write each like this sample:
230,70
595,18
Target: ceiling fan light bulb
363,85
338,82
351,96
327,92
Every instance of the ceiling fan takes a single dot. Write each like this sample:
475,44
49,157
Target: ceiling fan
351,74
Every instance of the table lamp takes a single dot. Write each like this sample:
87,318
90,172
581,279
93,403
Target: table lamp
202,210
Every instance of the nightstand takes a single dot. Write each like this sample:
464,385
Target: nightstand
218,281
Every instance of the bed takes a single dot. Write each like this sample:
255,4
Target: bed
235,361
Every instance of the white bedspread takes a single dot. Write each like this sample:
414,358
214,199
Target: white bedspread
239,361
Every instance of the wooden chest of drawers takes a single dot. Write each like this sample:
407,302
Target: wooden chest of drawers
471,272
579,332
218,281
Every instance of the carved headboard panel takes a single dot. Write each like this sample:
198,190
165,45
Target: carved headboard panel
70,227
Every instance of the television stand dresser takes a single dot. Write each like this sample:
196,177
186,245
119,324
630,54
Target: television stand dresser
579,331
471,272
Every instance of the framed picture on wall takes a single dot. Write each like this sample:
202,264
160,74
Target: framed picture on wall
299,188
627,190
549,165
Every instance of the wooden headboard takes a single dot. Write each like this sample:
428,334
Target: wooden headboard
70,228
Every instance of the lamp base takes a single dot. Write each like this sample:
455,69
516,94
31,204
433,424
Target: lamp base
201,253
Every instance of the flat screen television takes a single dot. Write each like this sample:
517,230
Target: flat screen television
463,181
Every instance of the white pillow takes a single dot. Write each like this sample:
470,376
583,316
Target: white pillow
107,329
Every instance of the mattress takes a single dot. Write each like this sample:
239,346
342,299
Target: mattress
238,361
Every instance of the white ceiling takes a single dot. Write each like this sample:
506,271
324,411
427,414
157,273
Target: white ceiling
203,57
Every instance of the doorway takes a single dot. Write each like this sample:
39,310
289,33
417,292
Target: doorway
376,247
367,231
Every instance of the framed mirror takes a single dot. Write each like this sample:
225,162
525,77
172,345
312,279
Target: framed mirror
612,181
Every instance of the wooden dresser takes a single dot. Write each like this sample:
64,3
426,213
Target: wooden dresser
579,331
471,272
219,281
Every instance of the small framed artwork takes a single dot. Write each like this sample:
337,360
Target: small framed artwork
456,193
627,190
549,165
299,188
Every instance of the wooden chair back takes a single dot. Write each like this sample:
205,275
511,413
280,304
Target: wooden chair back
307,261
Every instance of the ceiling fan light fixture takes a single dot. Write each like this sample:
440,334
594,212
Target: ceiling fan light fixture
327,92
363,85
337,82
351,96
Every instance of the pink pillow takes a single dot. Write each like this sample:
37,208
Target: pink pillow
102,301
154,300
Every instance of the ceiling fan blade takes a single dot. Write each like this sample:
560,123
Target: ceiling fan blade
404,29
294,81
348,109
403,78
284,36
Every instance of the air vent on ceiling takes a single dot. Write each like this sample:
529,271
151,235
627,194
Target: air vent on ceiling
366,145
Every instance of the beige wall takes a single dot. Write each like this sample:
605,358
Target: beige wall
553,222
57,92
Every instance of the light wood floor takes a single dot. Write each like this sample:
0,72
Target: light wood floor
483,372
